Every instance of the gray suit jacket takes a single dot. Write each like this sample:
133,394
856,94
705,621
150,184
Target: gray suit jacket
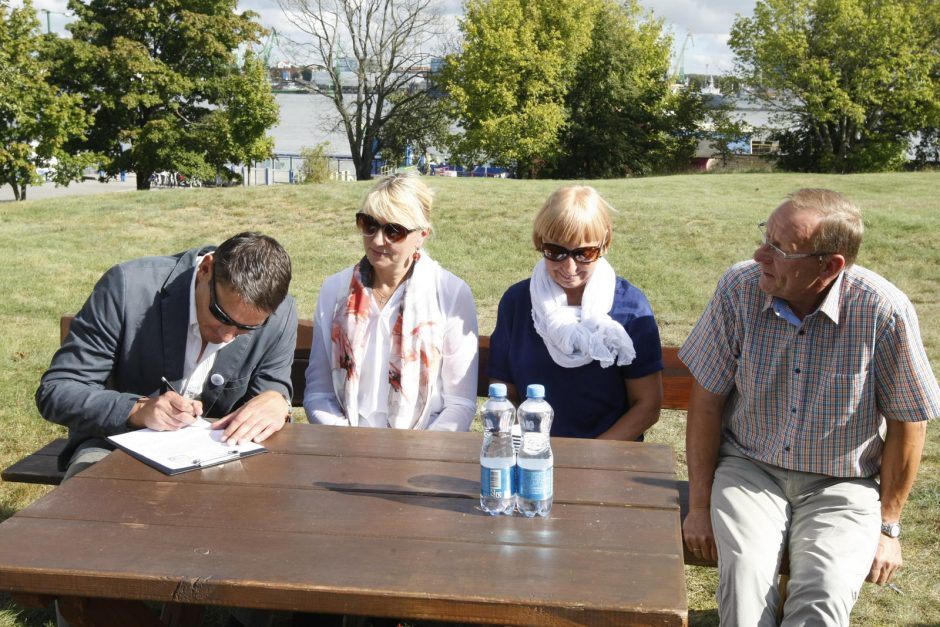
132,331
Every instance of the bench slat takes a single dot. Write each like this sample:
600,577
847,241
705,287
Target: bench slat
39,467
677,380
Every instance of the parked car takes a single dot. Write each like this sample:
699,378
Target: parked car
47,170
490,172
448,170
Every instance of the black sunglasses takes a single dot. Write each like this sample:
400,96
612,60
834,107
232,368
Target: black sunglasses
588,254
369,226
223,317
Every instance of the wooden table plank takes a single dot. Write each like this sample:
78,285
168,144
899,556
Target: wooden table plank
308,439
574,485
636,530
311,572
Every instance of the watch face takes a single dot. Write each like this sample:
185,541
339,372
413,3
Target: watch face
892,530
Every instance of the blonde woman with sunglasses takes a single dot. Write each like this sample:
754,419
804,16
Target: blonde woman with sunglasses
580,330
395,336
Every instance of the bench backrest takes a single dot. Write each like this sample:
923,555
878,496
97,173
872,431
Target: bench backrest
677,380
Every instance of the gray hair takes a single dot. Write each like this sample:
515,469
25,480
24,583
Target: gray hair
840,228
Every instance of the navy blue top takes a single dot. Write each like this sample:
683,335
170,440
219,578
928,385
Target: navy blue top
587,399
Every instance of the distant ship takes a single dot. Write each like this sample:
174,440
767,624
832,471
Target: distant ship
288,87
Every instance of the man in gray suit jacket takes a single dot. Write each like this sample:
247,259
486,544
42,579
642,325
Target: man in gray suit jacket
216,324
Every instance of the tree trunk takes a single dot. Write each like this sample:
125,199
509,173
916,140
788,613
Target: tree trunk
364,170
143,180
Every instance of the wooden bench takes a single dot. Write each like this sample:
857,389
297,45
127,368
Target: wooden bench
41,466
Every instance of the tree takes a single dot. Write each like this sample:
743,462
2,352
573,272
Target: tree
384,47
236,131
420,127
623,118
724,132
927,149
852,80
162,82
508,84
36,119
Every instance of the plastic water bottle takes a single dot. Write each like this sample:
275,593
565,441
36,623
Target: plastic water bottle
497,458
535,461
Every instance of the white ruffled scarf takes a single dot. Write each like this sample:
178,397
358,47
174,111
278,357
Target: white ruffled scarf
596,336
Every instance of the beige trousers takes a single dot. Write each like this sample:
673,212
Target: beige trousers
830,526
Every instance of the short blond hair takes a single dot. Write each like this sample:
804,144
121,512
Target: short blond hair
840,228
401,198
574,213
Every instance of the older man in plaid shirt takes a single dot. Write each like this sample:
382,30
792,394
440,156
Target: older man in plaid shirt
806,421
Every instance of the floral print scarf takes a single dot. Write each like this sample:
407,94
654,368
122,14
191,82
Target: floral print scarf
417,343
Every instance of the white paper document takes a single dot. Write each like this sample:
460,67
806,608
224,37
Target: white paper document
189,448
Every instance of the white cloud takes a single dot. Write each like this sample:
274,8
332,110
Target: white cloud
709,23
697,16
53,14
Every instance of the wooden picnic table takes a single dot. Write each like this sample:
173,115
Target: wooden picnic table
375,522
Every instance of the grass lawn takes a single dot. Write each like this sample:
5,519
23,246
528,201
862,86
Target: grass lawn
673,237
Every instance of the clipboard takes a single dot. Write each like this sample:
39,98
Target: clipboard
190,448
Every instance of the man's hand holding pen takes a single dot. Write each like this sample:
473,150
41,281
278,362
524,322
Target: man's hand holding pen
168,412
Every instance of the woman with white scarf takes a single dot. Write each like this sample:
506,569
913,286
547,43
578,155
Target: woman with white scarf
580,330
395,336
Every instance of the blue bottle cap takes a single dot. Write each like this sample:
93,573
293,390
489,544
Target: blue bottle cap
535,390
497,389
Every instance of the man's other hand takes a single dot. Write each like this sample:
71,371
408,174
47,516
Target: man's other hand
887,560
698,534
256,420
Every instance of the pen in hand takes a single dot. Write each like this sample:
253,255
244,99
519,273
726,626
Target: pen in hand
172,388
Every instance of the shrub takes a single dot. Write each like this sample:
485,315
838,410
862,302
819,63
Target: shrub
316,165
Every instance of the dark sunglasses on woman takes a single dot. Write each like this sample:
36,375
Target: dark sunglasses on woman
369,226
556,253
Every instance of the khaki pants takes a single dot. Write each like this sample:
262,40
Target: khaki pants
830,527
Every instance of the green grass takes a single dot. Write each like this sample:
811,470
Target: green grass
673,237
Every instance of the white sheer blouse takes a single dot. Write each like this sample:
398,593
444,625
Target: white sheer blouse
452,397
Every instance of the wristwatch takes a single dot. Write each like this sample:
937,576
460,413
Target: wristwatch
891,529
290,408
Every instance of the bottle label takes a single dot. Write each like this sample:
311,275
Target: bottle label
496,482
535,485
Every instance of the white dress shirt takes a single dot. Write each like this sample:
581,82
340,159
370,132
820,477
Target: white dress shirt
198,362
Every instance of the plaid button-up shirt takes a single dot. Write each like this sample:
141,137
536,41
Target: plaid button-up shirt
813,397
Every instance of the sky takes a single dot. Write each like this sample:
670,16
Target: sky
701,26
